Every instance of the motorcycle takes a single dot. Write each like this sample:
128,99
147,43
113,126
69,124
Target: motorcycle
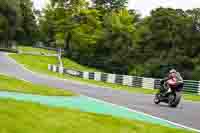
172,98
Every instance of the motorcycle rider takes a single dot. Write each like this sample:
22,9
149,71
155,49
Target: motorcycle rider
173,80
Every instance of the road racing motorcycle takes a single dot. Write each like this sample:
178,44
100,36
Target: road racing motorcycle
172,97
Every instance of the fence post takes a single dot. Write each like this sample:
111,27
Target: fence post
157,83
148,83
199,89
127,80
137,82
111,78
86,75
54,68
61,69
49,67
104,77
97,76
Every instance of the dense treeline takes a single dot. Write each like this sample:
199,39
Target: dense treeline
106,35
100,36
17,22
171,36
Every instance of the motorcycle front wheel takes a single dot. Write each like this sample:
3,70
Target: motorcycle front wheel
157,98
174,99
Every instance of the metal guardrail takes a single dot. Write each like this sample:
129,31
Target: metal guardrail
190,86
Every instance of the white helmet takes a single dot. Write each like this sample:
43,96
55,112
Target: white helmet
172,71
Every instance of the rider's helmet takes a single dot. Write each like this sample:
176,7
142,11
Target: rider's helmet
172,71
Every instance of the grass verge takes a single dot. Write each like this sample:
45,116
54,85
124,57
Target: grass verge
14,85
31,49
192,97
40,65
28,117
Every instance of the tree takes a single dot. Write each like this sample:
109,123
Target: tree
110,4
17,22
115,39
28,31
168,36
69,4
115,50
9,21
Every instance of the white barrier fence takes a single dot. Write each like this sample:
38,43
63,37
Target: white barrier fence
190,86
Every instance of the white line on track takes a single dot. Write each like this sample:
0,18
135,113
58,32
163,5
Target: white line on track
173,123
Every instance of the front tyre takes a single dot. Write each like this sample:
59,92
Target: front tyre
174,99
157,99
177,100
171,99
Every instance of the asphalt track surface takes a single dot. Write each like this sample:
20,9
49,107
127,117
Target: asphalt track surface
187,113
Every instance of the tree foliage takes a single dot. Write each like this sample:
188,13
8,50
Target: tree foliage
9,20
109,36
17,21
110,4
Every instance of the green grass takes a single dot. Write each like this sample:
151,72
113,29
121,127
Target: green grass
75,66
41,66
27,117
39,63
192,97
14,85
31,49
67,62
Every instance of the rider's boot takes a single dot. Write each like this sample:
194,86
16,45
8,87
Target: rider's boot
169,90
